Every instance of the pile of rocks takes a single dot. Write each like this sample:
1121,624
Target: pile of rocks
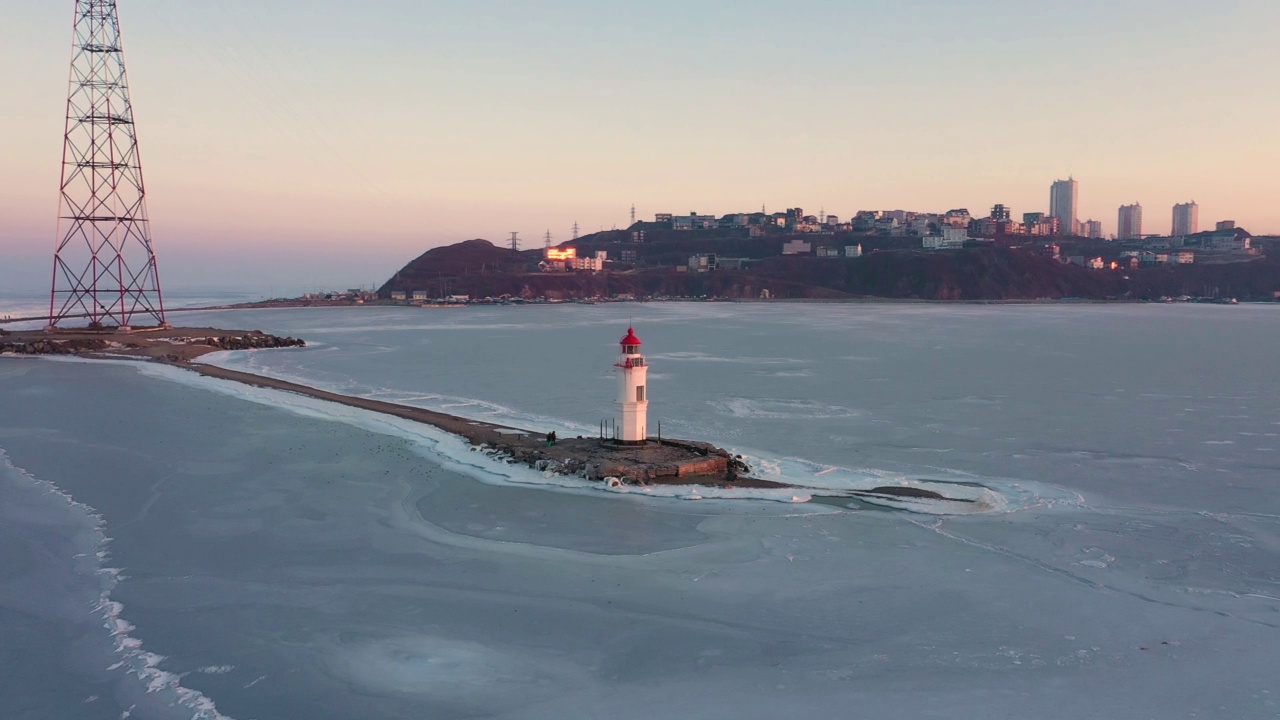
256,340
54,347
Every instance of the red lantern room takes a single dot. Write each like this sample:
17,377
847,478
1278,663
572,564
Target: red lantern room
631,356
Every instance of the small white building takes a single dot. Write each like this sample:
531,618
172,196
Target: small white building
702,262
594,264
950,239
851,251
797,247
1228,241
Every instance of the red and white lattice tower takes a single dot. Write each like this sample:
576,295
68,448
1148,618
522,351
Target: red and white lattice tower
104,267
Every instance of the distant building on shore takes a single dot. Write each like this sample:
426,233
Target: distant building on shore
1064,201
1129,225
1186,219
594,263
797,247
1038,223
950,239
702,262
959,218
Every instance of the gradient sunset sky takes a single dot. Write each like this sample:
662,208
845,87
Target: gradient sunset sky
325,143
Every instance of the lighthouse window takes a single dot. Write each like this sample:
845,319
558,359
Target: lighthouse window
639,393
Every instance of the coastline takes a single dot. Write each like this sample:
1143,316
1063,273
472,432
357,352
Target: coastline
867,300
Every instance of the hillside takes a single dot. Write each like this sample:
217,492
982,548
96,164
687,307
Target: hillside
480,269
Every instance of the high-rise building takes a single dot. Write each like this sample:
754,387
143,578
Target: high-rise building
1186,219
1130,224
1091,229
1000,213
1064,200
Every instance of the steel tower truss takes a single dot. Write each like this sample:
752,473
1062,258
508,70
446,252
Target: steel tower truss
104,267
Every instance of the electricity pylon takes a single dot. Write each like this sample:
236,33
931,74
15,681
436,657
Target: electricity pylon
104,266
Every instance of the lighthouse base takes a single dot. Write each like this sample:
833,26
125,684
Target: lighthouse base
634,444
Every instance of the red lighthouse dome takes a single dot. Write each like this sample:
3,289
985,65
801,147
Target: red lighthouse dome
631,338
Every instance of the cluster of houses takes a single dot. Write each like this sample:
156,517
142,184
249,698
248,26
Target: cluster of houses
794,220
937,231
565,259
354,295
424,296
1223,245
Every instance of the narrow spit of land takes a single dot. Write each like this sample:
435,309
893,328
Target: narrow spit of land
657,462
672,462
161,344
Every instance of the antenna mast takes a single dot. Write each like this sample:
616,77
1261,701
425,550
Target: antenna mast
515,241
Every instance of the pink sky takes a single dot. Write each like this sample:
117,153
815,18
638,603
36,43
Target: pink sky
365,139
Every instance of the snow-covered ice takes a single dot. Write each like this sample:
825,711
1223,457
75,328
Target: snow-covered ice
220,550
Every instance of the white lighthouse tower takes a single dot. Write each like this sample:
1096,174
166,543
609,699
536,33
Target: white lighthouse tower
633,393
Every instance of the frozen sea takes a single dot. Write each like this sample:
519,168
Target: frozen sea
179,547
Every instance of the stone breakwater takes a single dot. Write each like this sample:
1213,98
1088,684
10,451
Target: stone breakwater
657,462
55,347
171,344
673,462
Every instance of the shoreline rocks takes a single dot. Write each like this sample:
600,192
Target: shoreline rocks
172,345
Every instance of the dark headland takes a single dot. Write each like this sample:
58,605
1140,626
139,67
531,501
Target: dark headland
890,268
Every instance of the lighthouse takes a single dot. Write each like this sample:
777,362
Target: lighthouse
633,391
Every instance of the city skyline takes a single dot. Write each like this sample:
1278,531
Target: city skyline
432,124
